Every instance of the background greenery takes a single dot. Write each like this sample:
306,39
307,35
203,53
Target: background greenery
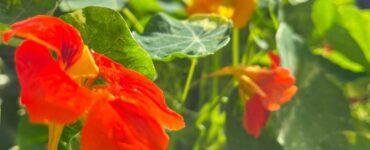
325,43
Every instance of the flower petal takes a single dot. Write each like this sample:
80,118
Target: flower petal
131,86
48,93
203,6
277,84
52,33
120,125
240,11
243,11
275,60
255,116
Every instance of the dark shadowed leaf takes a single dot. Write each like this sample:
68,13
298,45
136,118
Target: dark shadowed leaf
31,136
345,141
237,137
14,10
166,38
319,109
105,31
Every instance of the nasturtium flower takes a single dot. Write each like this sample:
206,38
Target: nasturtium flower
57,74
240,11
263,90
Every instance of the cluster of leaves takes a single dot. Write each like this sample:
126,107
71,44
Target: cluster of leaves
323,42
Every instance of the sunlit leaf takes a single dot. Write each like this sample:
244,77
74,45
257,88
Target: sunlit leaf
70,5
357,24
14,10
146,5
319,109
342,42
296,2
340,60
166,38
323,21
105,31
154,6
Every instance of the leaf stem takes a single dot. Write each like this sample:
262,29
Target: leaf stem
215,67
194,61
248,52
130,16
235,48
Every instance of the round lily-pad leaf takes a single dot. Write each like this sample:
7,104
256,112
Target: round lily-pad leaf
166,38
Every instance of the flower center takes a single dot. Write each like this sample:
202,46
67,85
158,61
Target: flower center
84,67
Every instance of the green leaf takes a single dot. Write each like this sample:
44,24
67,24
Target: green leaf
14,10
342,42
146,5
359,89
31,136
323,21
155,6
296,2
319,109
70,5
3,28
358,26
348,140
71,136
299,16
105,31
340,32
166,38
339,59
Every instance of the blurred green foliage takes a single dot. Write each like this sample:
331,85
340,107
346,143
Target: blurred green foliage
325,43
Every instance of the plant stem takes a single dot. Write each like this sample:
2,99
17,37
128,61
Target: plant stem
188,80
130,16
235,48
248,52
215,66
55,131
272,14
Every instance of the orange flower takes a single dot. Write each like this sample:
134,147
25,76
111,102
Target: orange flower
128,111
265,90
240,11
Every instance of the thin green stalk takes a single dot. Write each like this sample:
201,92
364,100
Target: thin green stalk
272,14
206,109
248,52
235,49
130,16
188,80
215,66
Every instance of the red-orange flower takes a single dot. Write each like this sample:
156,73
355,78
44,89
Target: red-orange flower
240,11
265,90
128,111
